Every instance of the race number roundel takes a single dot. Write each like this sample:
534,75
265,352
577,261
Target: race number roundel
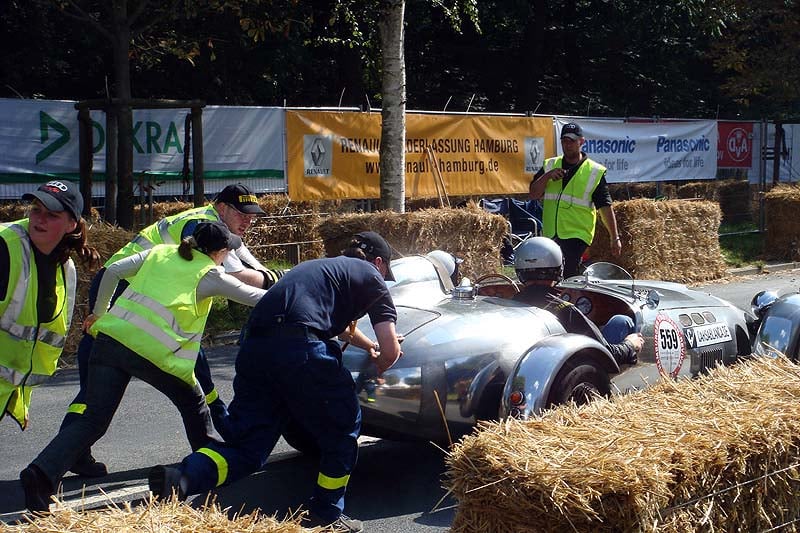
670,347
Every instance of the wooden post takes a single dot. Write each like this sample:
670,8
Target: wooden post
776,160
197,155
110,210
85,158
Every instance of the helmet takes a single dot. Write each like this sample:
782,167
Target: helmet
448,261
762,301
539,258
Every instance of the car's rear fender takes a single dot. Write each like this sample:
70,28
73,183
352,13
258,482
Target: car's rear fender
534,372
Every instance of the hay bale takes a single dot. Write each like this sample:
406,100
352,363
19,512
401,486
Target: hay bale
717,453
470,233
629,191
781,206
735,200
172,516
672,240
107,239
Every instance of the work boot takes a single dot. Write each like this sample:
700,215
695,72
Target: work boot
87,466
38,489
164,481
343,524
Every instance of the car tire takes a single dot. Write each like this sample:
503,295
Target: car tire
579,381
300,439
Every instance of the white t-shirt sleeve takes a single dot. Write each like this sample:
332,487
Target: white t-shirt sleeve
218,283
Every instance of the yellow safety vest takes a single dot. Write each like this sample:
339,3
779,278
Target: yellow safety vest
158,316
570,213
29,349
168,230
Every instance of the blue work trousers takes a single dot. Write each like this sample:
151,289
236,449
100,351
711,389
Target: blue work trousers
278,379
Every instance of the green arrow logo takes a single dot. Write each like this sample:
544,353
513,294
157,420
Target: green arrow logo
45,123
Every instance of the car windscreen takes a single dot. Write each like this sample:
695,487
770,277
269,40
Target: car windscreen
775,335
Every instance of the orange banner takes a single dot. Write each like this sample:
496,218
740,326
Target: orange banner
336,154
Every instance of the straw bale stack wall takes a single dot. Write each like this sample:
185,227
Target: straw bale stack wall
672,240
719,453
782,205
471,233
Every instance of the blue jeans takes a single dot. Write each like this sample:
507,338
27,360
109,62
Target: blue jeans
617,328
111,366
278,379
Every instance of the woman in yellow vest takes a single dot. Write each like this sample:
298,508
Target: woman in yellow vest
37,290
153,332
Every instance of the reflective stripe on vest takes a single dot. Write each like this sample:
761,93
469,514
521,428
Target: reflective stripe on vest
570,213
168,230
158,315
29,349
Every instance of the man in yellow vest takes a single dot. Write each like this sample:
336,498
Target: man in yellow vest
574,189
236,206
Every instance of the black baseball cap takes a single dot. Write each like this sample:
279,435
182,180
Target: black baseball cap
571,130
376,246
215,235
59,195
241,198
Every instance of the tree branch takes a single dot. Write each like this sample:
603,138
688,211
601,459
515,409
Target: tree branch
155,20
83,16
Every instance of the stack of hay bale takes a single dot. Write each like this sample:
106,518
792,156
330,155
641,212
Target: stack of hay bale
671,240
471,233
783,225
719,453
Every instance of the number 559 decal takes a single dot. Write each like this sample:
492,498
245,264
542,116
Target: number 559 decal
670,346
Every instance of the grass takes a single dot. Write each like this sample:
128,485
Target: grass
741,244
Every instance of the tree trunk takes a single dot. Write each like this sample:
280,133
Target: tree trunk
393,109
122,91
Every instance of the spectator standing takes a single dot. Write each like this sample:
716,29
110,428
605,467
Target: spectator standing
573,190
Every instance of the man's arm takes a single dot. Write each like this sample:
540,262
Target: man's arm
389,345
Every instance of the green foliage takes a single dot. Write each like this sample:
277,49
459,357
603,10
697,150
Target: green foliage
585,57
741,244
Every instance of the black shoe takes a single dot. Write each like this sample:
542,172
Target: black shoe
164,481
343,524
88,466
38,489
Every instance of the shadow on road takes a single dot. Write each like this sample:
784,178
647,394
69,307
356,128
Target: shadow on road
391,479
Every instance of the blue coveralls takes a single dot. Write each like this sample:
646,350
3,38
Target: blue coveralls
288,367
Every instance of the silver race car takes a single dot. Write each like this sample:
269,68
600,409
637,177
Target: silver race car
468,356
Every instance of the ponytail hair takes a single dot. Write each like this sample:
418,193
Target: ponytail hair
75,241
186,246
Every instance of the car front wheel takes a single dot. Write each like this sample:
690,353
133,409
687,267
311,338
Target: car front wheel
579,381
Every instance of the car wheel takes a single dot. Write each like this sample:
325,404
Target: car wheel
579,381
300,439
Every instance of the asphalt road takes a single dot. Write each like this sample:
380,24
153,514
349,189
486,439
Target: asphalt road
396,486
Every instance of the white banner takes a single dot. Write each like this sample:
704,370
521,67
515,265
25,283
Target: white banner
39,139
788,151
662,151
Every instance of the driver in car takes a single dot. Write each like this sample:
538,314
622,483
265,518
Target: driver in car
539,265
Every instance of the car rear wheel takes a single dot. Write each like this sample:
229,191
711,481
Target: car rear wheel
580,381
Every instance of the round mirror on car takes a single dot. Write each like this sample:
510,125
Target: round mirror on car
761,302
